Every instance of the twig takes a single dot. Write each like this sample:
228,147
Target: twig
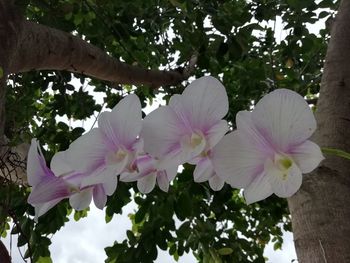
323,252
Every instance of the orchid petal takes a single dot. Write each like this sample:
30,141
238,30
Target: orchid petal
146,183
237,160
163,181
41,209
162,132
50,188
59,164
307,155
171,172
204,171
128,177
203,103
88,152
100,176
100,197
258,189
216,133
124,123
145,164
284,118
164,177
81,200
216,183
246,127
110,186
36,165
283,184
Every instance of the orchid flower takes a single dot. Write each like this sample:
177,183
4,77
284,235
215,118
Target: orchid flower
270,149
204,171
147,173
47,189
106,151
50,186
191,125
81,197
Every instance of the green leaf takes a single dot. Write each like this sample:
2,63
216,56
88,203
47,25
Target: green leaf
44,260
225,251
336,152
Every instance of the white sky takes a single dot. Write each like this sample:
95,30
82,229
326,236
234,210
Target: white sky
84,241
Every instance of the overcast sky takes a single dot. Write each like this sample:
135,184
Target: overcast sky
84,241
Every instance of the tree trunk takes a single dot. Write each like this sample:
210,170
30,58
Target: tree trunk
4,254
321,209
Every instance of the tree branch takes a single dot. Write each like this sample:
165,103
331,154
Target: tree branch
4,254
44,48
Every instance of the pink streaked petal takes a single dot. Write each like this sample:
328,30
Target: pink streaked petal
204,170
128,177
283,186
164,177
162,181
138,146
36,166
259,189
88,152
237,160
203,103
307,155
216,183
162,132
145,164
41,209
216,133
246,127
171,172
110,186
59,164
99,195
81,200
284,118
50,188
123,124
146,183
100,176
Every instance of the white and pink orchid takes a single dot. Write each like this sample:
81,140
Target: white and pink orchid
270,149
47,189
268,153
50,186
107,151
145,170
191,125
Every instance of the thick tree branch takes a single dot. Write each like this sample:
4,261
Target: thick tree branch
44,48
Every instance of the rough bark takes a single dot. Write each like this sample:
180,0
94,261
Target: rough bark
321,209
45,48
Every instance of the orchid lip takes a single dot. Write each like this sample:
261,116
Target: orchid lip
283,163
116,157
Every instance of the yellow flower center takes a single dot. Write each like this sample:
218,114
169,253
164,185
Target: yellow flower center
116,157
196,140
284,164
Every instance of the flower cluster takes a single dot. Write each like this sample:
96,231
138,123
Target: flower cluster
267,153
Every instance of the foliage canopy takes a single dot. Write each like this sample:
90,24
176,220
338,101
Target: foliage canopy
235,41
